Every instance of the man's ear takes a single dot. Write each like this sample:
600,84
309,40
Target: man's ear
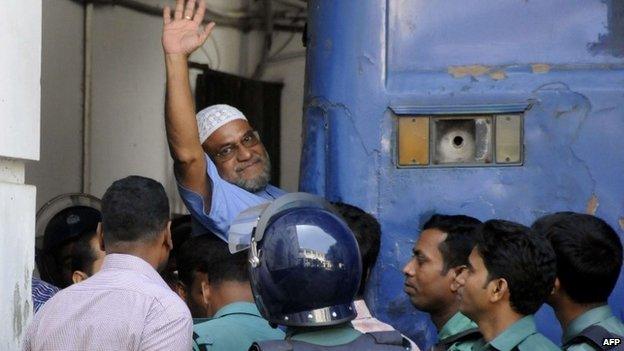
453,274
557,287
78,276
168,242
497,289
205,288
99,232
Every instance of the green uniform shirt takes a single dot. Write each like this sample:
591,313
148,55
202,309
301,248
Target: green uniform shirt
234,327
457,324
522,335
602,316
327,336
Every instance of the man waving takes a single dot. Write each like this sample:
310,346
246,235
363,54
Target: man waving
221,166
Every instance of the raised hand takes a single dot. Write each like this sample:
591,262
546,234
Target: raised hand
184,33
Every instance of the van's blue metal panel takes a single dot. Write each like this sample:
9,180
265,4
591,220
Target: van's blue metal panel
563,58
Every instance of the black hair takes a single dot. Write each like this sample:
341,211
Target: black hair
69,224
460,237
82,254
181,229
589,254
134,208
520,256
209,254
61,233
367,234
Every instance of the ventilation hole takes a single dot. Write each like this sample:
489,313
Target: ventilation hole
458,141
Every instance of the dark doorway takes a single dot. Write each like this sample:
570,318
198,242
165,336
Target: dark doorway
259,101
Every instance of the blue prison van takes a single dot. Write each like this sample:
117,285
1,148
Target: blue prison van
507,109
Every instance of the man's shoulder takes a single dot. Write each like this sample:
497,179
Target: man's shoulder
234,332
465,345
131,286
537,342
170,302
275,191
237,323
611,325
464,338
580,347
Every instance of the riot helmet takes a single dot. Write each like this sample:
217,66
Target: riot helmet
305,265
58,224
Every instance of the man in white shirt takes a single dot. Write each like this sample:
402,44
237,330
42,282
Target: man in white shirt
126,305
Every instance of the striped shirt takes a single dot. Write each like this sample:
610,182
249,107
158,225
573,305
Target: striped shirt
364,322
41,292
125,306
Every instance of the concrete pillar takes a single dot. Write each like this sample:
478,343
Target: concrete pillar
20,91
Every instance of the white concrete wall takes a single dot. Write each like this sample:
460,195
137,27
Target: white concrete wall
20,72
292,73
59,169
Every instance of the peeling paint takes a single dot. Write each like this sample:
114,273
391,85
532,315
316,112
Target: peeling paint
498,75
592,205
385,144
17,312
471,70
621,222
539,68
613,41
364,60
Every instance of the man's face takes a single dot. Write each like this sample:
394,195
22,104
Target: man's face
474,287
195,299
239,155
426,282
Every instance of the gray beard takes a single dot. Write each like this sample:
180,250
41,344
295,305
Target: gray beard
258,183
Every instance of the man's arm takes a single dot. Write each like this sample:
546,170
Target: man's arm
182,35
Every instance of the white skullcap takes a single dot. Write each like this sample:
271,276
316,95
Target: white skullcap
213,117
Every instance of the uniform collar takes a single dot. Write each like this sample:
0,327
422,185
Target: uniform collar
514,335
240,307
325,336
132,263
457,324
591,317
270,192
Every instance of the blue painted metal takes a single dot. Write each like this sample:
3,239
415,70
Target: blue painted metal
368,58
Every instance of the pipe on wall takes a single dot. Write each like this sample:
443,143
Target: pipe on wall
86,111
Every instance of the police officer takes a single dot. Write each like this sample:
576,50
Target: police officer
218,294
589,261
60,223
439,256
305,272
511,271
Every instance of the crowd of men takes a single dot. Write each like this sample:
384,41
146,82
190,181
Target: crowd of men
131,280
